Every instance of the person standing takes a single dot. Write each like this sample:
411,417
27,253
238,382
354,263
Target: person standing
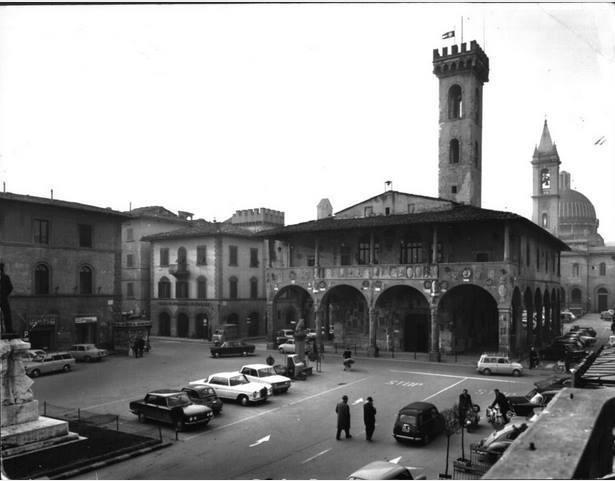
6,287
465,403
533,357
369,418
343,417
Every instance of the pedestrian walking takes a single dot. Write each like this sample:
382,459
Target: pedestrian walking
502,403
533,357
135,348
140,346
6,287
369,418
465,404
343,417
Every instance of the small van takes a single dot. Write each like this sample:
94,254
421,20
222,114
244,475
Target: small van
50,362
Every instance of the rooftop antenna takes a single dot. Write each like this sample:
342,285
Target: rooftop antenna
129,206
388,185
51,194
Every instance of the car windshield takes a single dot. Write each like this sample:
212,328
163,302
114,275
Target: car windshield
206,392
179,399
237,380
408,419
266,371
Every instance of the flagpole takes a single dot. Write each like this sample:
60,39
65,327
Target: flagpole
462,29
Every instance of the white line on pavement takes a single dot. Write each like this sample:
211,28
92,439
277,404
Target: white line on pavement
457,377
445,389
315,456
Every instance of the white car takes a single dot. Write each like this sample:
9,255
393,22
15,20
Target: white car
498,364
265,373
236,386
87,352
51,362
288,347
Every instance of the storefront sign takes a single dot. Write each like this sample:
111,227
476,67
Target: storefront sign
133,323
45,320
85,319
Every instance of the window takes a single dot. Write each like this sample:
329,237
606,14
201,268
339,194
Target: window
164,257
344,255
545,220
376,252
164,288
364,252
253,288
41,279
129,234
387,211
232,255
527,252
575,270
201,288
602,269
311,260
232,284
181,289
129,260
482,257
201,255
545,181
41,231
182,258
537,259
453,189
85,280
453,151
85,235
411,252
253,257
368,211
455,107
410,208
130,290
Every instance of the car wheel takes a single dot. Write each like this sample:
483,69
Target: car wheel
87,359
35,373
243,400
66,367
487,372
179,425
216,354
516,373
244,354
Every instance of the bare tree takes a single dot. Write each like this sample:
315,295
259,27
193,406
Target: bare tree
451,426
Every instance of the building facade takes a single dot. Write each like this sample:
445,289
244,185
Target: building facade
209,274
417,273
588,269
64,262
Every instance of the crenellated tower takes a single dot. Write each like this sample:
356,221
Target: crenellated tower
462,73
545,185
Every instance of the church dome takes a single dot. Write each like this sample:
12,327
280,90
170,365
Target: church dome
575,207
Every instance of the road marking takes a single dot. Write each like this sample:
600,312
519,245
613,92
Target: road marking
358,401
315,456
326,392
445,389
456,377
109,402
395,460
261,440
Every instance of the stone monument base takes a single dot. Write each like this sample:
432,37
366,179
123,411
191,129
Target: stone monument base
44,432
19,413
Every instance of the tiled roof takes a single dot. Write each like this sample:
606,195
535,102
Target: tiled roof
154,211
392,192
202,228
60,203
457,214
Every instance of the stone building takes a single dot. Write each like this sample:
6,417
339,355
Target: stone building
418,273
64,262
588,269
210,273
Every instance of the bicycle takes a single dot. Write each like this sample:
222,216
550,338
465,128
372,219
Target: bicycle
559,367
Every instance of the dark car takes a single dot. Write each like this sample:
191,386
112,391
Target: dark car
418,421
232,348
525,405
491,448
561,349
589,330
172,407
204,395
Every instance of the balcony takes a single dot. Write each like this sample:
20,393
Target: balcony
180,270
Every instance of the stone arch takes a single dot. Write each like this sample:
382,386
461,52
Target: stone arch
468,314
517,340
345,309
290,304
183,325
547,326
402,319
201,325
164,324
602,299
42,279
527,318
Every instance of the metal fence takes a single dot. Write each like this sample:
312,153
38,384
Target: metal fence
473,468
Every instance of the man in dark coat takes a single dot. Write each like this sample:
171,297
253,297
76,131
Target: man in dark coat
369,418
343,417
6,287
465,403
501,401
534,359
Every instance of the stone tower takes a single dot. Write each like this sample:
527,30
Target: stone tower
545,183
462,73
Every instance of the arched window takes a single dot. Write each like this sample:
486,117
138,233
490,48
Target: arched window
575,270
453,151
181,256
545,220
41,279
545,180
232,287
85,280
181,289
575,296
454,102
253,288
602,269
201,287
164,324
164,288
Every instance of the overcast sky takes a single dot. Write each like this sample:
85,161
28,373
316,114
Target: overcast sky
215,108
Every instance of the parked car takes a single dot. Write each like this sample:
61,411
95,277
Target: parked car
491,448
49,362
588,330
567,316
284,335
206,396
171,407
87,352
232,348
310,333
583,336
383,470
266,373
225,332
418,421
607,315
498,364
559,350
525,405
236,386
34,353
289,346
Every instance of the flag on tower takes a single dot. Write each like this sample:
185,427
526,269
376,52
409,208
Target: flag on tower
448,34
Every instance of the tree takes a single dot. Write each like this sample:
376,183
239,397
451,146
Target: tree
451,426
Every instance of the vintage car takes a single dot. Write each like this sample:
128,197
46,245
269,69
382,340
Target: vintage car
535,399
559,350
49,362
204,395
383,470
284,335
265,373
491,448
289,346
87,352
418,421
237,387
608,315
33,353
567,316
232,348
498,364
172,407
